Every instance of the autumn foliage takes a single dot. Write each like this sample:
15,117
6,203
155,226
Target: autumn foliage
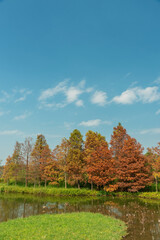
117,166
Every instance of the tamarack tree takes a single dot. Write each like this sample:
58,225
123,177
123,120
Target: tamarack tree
134,172
122,166
75,162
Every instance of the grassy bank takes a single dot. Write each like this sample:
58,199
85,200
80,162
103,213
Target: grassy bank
49,191
71,226
150,195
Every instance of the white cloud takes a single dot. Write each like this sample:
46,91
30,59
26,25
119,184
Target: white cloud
157,80
128,74
137,94
151,131
50,92
127,97
69,125
94,123
11,132
4,96
22,117
158,112
148,95
99,98
70,94
2,113
79,103
23,95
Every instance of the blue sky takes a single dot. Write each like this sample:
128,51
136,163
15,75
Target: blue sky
81,64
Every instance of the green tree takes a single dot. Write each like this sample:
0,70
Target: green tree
61,154
36,157
153,157
27,147
14,167
75,163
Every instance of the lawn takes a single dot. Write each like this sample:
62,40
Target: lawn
71,226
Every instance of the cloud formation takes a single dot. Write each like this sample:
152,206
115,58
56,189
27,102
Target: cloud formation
14,96
70,93
10,132
158,112
151,131
94,123
23,93
137,94
4,96
99,98
22,116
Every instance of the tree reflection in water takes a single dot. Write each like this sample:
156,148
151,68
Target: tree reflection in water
142,218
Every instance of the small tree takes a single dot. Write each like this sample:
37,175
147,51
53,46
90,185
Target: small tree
36,157
153,156
61,155
27,148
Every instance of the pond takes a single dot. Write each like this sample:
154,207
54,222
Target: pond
141,216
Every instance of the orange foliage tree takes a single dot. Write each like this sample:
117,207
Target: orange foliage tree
117,140
8,169
93,141
134,172
61,155
100,166
45,160
36,158
52,170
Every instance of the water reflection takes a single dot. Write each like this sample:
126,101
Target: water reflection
142,218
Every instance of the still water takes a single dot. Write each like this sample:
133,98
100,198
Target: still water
142,217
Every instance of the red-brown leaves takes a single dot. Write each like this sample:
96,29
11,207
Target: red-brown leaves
133,172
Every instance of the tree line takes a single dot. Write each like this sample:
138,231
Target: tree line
119,165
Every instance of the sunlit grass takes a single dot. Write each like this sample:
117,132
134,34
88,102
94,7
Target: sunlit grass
150,195
50,191
73,226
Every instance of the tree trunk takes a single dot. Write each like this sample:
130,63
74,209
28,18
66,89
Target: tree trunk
156,185
65,177
27,171
91,185
45,183
78,185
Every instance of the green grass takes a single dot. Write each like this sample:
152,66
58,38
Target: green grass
50,191
36,198
150,195
73,226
